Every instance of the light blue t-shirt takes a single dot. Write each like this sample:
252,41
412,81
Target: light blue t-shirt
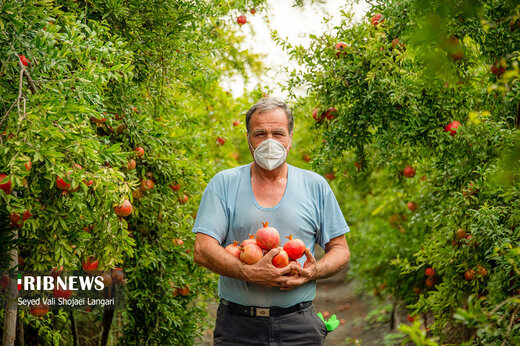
308,210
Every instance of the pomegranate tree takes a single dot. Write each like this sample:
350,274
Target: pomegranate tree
267,237
295,248
251,254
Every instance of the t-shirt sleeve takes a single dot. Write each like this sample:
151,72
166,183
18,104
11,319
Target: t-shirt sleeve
332,223
212,216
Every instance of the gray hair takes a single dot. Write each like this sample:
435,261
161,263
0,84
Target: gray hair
267,104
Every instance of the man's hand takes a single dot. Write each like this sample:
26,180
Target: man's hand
265,273
307,273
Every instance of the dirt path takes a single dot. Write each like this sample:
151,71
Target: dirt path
335,296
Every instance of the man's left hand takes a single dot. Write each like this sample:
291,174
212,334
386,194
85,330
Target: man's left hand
307,273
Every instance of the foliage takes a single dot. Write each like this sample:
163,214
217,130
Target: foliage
396,86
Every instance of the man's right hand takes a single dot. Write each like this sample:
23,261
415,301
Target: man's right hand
265,273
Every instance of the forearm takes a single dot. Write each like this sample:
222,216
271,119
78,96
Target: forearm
218,260
333,261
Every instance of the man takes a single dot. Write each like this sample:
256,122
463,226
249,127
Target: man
261,304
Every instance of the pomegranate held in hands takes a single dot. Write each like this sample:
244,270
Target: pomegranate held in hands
295,248
267,237
251,254
234,249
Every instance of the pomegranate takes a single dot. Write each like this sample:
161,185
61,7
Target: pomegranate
4,281
377,19
174,186
250,240
107,279
64,186
429,282
24,60
178,241
139,151
118,275
482,271
184,291
58,292
452,127
221,141
124,210
251,253
315,115
341,49
17,220
469,274
236,123
412,206
182,199
293,271
429,272
234,249
295,248
5,184
131,164
39,310
281,259
89,266
241,20
331,113
409,171
55,272
397,42
147,184
267,237
461,233
28,165
411,318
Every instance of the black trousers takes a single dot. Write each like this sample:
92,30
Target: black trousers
302,327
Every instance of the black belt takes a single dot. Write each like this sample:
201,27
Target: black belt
255,311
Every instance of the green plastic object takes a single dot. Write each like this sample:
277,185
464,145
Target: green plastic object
331,324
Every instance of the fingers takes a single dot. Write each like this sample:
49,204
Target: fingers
309,256
270,255
293,283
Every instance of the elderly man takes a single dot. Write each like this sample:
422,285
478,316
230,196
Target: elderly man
261,304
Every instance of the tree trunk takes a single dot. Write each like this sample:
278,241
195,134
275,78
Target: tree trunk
11,310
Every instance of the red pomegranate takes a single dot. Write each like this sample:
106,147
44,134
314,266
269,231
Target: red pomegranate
55,272
131,164
377,19
241,20
251,254
331,113
124,210
429,272
24,60
28,165
281,259
294,272
174,186
58,292
412,206
17,220
5,184
267,237
295,248
250,240
139,151
409,171
89,265
39,310
452,127
315,115
234,249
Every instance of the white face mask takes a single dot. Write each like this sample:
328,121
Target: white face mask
269,154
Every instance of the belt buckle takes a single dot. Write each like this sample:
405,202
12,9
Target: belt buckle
264,312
